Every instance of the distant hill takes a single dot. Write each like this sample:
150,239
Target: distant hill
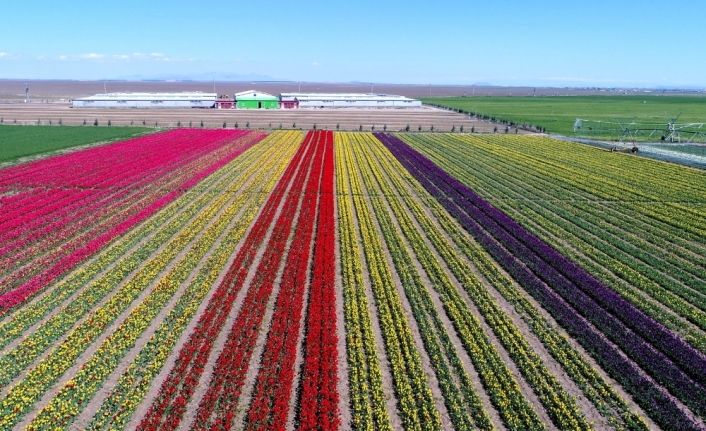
208,76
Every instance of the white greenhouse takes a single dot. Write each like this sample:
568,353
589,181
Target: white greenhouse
147,100
349,100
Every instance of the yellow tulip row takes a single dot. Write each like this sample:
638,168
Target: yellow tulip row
22,396
14,361
415,399
560,406
611,405
134,383
668,268
367,398
462,402
32,312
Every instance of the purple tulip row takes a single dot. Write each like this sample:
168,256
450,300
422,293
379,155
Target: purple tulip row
563,292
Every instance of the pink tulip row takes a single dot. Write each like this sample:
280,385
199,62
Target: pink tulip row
131,179
98,217
116,211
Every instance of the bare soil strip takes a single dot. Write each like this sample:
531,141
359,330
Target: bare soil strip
159,379
87,414
255,361
426,361
71,372
349,119
587,408
387,381
224,179
342,386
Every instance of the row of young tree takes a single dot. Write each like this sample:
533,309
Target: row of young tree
494,119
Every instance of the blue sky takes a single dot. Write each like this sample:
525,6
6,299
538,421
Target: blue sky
539,43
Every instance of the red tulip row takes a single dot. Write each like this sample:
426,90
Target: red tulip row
130,190
319,395
227,381
270,404
168,408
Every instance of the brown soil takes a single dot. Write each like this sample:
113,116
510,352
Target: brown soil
225,332
71,298
87,414
13,91
347,118
255,361
414,329
385,371
343,383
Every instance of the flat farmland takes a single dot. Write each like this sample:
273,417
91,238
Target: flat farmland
18,142
345,119
243,279
558,113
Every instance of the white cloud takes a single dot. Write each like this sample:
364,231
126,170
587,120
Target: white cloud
155,56
3,54
92,56
316,63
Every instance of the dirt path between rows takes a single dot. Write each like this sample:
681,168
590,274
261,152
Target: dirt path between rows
294,397
453,335
255,361
71,372
225,179
169,363
87,414
411,321
387,382
342,386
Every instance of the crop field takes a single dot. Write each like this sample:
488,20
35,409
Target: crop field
17,142
219,279
558,114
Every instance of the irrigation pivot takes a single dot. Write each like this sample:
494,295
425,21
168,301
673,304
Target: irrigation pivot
631,131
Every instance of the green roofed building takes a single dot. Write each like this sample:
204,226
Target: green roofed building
253,99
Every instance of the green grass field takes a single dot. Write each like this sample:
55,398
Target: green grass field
558,114
22,141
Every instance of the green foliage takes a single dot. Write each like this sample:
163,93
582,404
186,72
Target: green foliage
20,141
557,114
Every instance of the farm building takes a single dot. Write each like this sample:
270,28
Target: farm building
147,100
225,102
253,99
346,100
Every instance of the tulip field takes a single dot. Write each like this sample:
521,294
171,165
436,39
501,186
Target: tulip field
217,279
